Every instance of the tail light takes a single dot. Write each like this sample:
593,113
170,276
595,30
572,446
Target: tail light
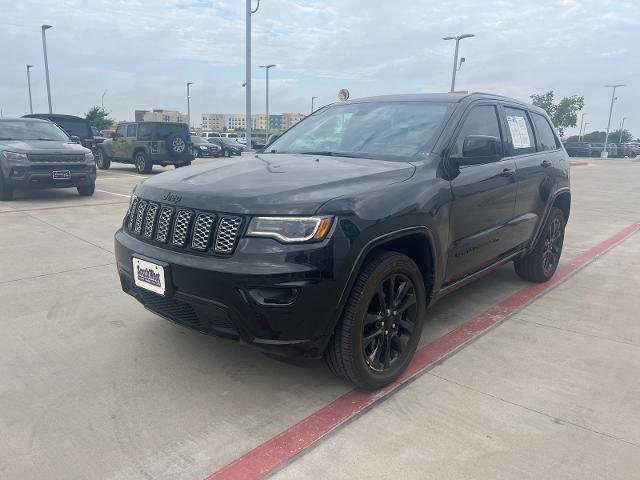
93,145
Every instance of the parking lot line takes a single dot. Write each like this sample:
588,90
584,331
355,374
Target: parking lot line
282,448
61,207
113,193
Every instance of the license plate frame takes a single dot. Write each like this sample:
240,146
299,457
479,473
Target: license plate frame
150,275
61,174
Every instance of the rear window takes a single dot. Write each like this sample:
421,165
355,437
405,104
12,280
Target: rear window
164,130
545,140
74,127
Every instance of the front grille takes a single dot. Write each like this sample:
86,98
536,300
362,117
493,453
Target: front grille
227,234
55,158
204,232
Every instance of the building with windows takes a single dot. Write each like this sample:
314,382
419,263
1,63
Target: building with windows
160,115
218,122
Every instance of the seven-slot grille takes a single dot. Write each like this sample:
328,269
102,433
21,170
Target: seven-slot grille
182,228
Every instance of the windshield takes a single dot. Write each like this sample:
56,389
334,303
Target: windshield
196,139
31,130
369,130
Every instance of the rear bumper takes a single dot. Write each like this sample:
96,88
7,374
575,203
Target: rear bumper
234,296
21,175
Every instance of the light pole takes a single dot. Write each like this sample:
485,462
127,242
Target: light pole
46,63
249,12
605,152
581,121
189,105
29,85
268,125
585,130
102,100
312,100
621,128
456,67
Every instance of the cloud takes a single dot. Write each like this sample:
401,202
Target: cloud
143,52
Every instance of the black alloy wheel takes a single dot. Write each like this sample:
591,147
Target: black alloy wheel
390,322
552,246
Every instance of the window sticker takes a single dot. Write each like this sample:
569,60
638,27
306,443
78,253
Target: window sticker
519,132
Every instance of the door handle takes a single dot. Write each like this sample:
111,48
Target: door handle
546,163
508,172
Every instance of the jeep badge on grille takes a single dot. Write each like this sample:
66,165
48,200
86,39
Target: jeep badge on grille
172,198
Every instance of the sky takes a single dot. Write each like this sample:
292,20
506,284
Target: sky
142,53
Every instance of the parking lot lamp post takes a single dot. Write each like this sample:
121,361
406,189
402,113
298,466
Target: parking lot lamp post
266,128
46,63
455,57
249,12
189,105
605,152
29,85
102,99
580,131
621,128
585,128
312,100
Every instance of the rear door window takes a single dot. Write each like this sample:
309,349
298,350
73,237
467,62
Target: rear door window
545,139
520,131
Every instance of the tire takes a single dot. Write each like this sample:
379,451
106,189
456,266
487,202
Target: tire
87,190
102,161
177,145
541,263
196,153
183,164
226,153
142,163
6,190
370,365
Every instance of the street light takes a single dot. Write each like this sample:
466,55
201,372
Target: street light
585,130
312,100
29,85
189,105
46,63
102,100
249,12
456,67
621,128
581,121
267,67
605,152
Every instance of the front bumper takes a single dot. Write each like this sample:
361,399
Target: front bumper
37,175
234,296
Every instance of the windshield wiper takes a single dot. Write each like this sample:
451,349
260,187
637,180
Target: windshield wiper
45,139
8,138
328,153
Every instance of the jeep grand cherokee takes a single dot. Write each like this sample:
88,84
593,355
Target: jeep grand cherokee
335,240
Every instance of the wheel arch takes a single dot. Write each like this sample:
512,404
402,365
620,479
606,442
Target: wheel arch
140,148
563,202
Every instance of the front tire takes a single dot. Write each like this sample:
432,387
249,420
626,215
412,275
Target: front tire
142,162
6,190
541,263
102,162
87,190
381,324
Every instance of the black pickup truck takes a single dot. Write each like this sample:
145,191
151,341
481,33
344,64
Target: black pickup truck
337,237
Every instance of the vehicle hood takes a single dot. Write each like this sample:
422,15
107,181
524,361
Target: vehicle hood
274,184
42,146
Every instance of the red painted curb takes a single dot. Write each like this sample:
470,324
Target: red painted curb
578,164
268,456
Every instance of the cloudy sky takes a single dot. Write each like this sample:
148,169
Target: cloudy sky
143,52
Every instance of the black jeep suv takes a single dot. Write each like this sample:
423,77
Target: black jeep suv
145,144
335,240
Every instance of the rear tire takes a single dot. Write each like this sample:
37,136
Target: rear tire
183,164
142,162
86,190
226,153
381,324
6,190
541,263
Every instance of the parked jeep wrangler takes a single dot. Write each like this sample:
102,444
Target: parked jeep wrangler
335,240
145,144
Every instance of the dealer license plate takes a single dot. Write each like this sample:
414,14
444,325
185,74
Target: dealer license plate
149,276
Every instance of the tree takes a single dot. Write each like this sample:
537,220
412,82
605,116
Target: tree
598,137
616,138
564,114
98,117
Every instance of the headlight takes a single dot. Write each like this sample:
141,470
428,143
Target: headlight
290,229
14,155
88,157
203,147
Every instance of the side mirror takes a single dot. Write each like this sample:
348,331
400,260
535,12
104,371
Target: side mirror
75,138
478,149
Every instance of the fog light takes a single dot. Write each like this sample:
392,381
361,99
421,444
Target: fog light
274,296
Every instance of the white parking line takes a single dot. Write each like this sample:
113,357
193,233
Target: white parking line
113,193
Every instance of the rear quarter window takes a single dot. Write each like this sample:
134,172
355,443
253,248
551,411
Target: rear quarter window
545,138
163,130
